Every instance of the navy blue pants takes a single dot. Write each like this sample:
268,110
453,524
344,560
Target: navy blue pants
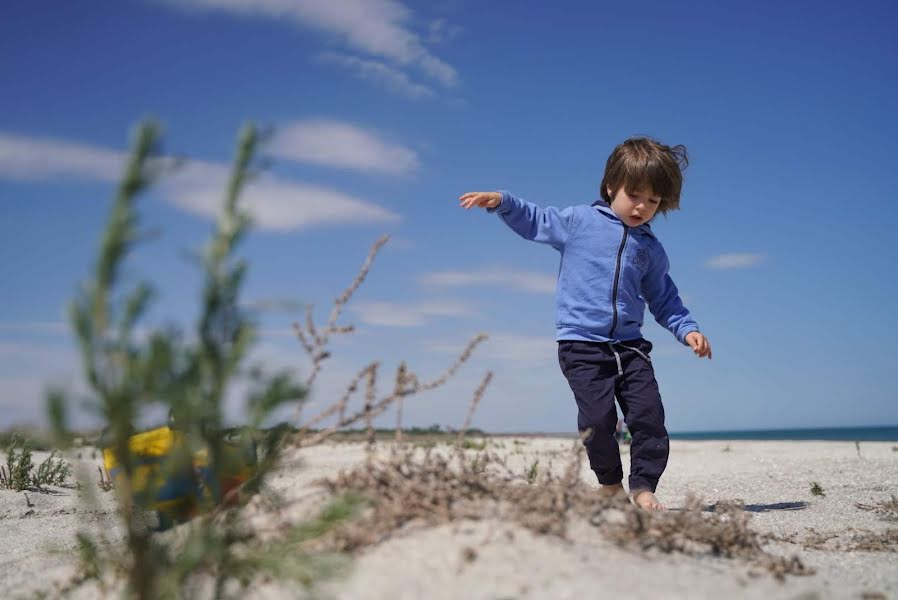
596,375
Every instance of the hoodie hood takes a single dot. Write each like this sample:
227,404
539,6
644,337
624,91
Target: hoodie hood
605,208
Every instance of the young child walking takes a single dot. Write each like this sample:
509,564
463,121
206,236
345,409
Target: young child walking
612,265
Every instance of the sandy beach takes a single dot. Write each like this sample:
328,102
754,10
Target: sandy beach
843,535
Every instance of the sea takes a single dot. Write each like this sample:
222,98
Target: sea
885,433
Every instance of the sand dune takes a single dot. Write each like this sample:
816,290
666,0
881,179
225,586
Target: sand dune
493,558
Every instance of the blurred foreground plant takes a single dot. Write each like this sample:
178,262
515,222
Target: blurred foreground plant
129,372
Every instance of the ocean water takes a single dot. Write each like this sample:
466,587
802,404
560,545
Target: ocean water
886,433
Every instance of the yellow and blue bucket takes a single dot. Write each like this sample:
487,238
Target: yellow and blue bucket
176,495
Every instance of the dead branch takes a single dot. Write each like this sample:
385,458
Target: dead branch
370,396
313,341
400,401
475,401
340,405
409,385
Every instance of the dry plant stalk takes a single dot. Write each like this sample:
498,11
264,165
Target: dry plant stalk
370,396
475,402
315,342
400,401
407,384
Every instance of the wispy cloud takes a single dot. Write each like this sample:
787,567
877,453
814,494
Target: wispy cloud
198,187
440,31
509,347
734,261
525,281
34,158
51,327
381,28
275,204
26,358
341,145
380,73
392,314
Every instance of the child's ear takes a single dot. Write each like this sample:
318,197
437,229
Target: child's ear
609,192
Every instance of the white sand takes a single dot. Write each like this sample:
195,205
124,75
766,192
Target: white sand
773,479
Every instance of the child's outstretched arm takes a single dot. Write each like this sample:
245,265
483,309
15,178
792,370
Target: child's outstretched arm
547,225
664,302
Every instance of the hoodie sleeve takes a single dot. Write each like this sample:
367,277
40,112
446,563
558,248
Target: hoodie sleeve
664,299
547,225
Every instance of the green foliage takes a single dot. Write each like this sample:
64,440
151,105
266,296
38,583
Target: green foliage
20,474
17,475
53,471
467,444
189,376
816,490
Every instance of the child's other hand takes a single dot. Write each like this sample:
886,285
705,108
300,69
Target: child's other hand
481,199
699,343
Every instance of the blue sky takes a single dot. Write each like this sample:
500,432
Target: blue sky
385,112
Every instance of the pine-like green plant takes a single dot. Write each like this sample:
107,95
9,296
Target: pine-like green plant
189,376
19,465
52,471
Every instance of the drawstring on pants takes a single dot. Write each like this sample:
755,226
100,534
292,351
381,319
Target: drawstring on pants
620,368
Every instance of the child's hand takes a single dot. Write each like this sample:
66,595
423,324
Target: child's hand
700,344
481,199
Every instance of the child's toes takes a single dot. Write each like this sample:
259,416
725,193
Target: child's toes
646,500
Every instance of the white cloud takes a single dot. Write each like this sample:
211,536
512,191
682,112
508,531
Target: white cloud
510,347
275,204
338,144
377,27
392,314
54,327
526,281
381,74
439,31
734,261
198,187
18,358
34,159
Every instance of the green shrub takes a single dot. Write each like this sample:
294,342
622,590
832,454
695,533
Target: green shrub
188,375
53,471
17,475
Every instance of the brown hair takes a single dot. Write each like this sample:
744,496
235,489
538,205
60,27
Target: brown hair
643,162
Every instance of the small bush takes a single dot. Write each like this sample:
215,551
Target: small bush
816,490
20,474
17,475
473,445
532,471
53,471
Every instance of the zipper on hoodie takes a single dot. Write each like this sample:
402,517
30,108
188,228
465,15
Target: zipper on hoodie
620,252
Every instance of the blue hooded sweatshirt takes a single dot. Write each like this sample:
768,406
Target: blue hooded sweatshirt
608,271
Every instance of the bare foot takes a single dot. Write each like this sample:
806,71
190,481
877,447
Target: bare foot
646,500
612,492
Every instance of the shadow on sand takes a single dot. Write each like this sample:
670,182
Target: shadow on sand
761,508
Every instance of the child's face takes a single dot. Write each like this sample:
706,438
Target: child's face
634,207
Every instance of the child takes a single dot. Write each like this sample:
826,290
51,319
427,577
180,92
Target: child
611,266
